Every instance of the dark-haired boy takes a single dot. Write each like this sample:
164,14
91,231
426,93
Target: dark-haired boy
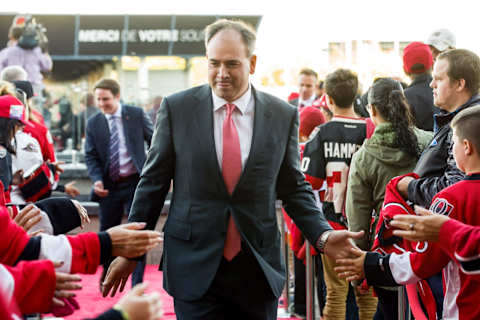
327,159
460,201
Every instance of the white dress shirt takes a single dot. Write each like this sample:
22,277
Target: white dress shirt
308,102
127,167
243,119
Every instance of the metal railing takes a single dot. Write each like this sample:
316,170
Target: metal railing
285,312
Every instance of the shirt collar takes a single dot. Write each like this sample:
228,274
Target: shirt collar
241,103
117,114
307,102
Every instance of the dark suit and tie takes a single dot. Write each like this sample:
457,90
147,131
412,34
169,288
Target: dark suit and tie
231,151
115,154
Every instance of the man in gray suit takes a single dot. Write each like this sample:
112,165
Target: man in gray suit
231,151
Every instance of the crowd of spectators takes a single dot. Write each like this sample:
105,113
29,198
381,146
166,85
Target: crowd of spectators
398,162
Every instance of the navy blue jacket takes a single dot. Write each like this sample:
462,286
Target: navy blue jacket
137,128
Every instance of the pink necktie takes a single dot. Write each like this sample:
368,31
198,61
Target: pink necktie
231,171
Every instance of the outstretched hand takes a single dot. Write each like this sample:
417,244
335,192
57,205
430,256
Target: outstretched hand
82,212
340,242
28,217
424,227
65,285
141,306
117,275
130,240
352,268
71,190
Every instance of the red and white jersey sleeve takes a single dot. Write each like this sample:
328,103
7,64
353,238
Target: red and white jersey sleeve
80,253
462,243
30,285
461,202
14,240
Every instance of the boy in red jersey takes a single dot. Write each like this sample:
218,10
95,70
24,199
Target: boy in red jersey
460,201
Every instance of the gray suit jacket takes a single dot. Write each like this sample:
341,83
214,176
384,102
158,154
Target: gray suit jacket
183,149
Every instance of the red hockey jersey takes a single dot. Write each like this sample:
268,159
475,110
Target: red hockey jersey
462,243
29,285
460,201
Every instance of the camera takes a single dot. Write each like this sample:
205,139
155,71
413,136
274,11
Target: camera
34,34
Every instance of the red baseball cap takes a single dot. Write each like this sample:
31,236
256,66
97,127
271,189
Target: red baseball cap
417,53
310,117
12,108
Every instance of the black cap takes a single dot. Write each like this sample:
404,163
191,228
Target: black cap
25,86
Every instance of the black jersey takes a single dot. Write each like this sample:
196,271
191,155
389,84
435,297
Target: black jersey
327,156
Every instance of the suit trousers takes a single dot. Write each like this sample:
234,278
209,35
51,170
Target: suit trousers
238,291
112,209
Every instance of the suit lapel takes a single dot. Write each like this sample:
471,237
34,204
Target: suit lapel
202,113
103,136
261,118
126,126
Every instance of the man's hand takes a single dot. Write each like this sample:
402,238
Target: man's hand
130,241
28,217
71,190
99,190
141,306
82,212
352,268
65,284
340,242
424,227
117,275
402,186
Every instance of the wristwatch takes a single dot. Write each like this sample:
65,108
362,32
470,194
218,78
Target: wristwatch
322,240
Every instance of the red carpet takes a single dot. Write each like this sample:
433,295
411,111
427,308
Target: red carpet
92,303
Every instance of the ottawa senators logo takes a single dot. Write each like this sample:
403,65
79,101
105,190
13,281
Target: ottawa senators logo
441,206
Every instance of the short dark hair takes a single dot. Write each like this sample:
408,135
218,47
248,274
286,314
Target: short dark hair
342,85
466,124
308,72
463,64
108,84
247,32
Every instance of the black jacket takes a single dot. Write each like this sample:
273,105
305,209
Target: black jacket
420,98
436,167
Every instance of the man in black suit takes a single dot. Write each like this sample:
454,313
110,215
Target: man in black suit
231,151
115,154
